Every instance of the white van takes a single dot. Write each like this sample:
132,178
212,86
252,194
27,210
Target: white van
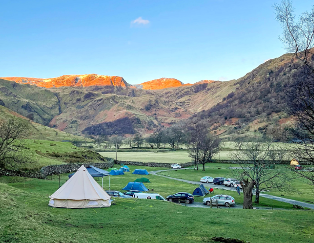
148,196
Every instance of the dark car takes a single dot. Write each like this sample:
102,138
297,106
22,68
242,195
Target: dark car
117,194
131,193
181,197
218,180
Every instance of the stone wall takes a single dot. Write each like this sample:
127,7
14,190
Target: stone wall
53,170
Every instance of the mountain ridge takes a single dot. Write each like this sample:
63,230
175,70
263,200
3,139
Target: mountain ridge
86,80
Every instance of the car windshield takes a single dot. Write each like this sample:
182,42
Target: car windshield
120,193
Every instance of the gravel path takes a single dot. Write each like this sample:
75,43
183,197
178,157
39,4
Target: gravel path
281,199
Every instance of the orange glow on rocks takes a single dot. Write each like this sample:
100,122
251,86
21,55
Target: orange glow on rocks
162,83
72,80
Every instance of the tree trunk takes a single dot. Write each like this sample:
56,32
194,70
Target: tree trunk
247,193
257,193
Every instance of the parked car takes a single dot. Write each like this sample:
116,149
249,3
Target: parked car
131,192
237,184
224,200
218,180
230,182
207,179
298,167
149,196
176,166
181,197
117,194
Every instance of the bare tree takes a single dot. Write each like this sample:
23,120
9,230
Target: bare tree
157,137
298,35
138,140
196,133
257,161
12,132
202,145
117,141
209,146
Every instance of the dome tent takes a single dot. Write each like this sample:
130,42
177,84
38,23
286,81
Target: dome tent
116,172
140,172
135,186
80,191
143,179
200,191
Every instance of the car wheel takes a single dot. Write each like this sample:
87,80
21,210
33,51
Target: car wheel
208,203
231,184
227,204
187,201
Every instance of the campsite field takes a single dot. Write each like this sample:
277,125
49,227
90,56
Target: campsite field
26,217
298,189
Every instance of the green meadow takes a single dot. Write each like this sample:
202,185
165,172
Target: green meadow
26,217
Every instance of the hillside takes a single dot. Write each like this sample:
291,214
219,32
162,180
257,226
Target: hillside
111,109
38,131
252,103
259,102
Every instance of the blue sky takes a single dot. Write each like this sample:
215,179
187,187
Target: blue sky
139,40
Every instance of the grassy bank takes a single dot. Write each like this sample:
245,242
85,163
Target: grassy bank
44,153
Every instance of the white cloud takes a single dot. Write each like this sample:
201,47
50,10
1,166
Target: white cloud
140,21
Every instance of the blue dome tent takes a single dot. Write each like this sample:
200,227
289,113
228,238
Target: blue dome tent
124,169
116,172
200,191
135,186
140,172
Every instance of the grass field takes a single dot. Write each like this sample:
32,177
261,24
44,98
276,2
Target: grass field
181,156
160,157
26,217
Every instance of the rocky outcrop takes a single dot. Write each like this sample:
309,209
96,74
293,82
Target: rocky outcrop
72,81
161,83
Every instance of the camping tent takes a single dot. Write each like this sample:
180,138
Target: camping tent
200,191
143,179
140,172
294,162
116,172
203,189
94,172
125,166
135,186
124,169
80,191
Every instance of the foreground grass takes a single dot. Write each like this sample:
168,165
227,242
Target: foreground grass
25,217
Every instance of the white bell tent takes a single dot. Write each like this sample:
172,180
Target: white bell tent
80,191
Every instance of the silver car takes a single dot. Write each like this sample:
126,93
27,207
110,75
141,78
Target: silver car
224,200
